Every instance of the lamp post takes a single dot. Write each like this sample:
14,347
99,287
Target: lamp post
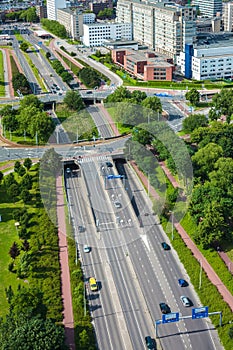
172,217
200,275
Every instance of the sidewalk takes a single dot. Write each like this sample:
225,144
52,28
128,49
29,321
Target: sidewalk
68,320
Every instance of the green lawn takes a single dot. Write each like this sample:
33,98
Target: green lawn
20,138
8,235
2,81
122,128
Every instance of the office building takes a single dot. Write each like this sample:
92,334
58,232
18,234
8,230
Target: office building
95,34
98,6
209,8
52,6
227,16
144,65
210,57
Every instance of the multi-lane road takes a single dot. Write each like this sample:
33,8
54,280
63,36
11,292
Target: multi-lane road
134,273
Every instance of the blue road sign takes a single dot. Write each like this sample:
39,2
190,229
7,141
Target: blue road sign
172,317
200,312
109,177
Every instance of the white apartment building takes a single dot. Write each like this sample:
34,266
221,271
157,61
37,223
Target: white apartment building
52,6
96,33
208,7
227,16
72,20
211,57
163,26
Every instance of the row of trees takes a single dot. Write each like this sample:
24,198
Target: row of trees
29,119
28,15
90,77
58,67
20,82
35,310
54,27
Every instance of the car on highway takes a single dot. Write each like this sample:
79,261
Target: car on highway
150,343
68,171
93,284
117,205
165,246
109,164
86,248
165,309
81,229
182,283
185,301
88,92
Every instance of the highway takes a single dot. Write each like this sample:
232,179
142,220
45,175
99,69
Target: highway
131,257
102,125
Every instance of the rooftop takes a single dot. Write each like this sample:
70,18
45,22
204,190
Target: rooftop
213,40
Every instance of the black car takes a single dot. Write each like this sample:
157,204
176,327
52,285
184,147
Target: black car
150,343
109,164
165,309
165,246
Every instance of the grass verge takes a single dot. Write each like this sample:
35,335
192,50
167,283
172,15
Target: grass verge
2,80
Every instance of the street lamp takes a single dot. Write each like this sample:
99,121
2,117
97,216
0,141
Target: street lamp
172,217
200,276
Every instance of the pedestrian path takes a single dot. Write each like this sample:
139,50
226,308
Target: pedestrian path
68,320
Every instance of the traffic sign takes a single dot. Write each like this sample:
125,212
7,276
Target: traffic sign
200,312
172,317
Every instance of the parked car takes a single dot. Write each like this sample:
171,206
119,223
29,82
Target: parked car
165,246
185,301
165,309
182,283
150,343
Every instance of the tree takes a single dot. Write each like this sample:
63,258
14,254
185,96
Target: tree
120,94
31,101
14,250
90,77
193,122
27,163
223,102
51,162
213,115
21,171
9,180
66,77
54,27
25,245
24,46
48,55
20,82
26,182
73,100
13,192
193,96
17,166
1,176
83,338
25,196
33,333
205,159
138,96
152,103
212,228
141,135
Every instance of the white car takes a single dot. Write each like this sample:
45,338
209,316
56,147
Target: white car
68,170
185,301
86,249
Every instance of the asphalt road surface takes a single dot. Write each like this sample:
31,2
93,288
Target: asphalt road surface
130,256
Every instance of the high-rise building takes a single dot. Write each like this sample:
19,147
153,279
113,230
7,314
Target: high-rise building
208,8
227,16
52,6
163,26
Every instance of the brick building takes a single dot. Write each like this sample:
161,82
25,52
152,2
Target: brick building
144,65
